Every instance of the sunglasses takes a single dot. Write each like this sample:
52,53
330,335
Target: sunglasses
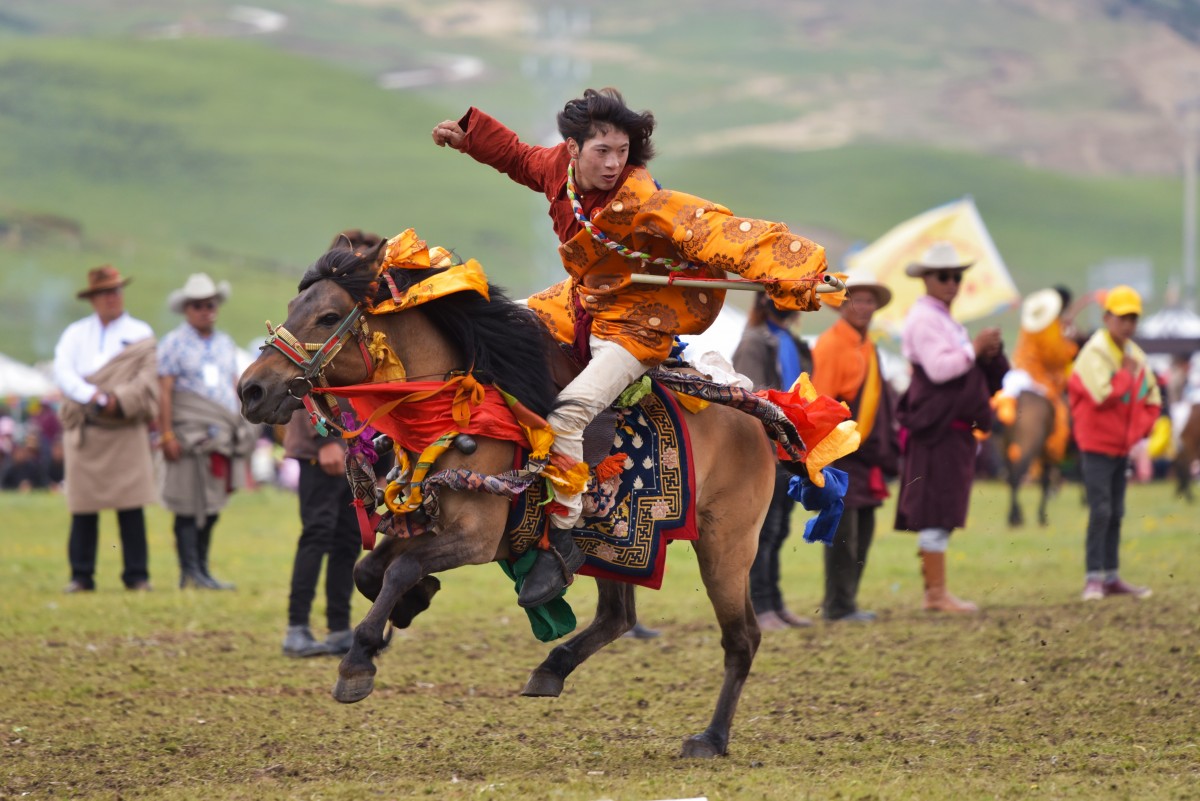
946,276
202,305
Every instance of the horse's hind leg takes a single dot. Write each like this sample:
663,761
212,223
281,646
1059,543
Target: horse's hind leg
725,559
615,614
1047,485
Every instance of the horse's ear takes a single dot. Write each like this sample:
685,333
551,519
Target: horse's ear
375,255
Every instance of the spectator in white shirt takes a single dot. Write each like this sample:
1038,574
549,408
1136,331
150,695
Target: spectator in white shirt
105,366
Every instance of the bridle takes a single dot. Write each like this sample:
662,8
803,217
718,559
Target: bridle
312,359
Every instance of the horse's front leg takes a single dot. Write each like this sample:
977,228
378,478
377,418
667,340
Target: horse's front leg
470,534
368,577
356,673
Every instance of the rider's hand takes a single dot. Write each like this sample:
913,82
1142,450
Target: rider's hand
449,133
332,458
1129,364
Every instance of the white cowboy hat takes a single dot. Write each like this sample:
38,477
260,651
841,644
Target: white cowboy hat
1039,309
883,295
940,256
198,287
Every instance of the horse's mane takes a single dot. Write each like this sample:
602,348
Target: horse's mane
503,342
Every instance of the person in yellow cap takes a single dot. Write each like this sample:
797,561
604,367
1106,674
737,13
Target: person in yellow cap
1114,402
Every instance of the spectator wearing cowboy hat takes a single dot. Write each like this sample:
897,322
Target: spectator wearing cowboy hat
105,366
846,367
205,439
943,415
1115,400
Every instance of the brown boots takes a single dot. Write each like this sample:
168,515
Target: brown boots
937,597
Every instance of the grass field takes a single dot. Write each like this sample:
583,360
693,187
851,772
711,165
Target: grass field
179,695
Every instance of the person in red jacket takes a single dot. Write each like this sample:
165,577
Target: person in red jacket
613,220
1114,401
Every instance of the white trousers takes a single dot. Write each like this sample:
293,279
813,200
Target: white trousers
933,540
606,376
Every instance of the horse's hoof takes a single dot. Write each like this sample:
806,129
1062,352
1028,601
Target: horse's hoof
699,746
543,684
353,689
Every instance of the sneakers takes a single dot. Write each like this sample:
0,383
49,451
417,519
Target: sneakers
300,642
339,642
1095,589
77,586
1119,587
858,616
771,621
793,620
640,632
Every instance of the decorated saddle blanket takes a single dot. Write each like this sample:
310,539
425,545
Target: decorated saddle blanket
629,518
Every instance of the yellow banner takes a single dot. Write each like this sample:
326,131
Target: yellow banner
987,286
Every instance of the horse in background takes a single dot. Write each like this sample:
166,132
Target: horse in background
503,343
1022,446
1187,454
1032,405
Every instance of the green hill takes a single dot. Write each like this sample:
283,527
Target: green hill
172,156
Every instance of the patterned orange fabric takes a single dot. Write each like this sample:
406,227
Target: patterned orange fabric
1047,356
645,319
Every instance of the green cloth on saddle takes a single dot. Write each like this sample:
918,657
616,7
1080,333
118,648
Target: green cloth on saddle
550,620
633,394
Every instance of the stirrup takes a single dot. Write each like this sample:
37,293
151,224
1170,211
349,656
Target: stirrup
553,570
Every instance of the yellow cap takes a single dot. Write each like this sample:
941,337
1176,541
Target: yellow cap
1122,300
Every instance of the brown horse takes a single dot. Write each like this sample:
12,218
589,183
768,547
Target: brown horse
1023,444
1189,452
502,342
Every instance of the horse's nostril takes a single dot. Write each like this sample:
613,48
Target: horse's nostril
251,393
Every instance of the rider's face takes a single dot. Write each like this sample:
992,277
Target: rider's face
599,162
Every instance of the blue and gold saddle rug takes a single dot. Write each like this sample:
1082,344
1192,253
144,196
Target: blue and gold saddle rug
629,518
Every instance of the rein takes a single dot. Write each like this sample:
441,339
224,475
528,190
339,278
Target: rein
313,366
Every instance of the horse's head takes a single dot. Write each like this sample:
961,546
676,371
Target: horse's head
321,337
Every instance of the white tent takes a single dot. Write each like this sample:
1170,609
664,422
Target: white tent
722,336
22,380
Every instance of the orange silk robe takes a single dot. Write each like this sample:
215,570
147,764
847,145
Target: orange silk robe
644,319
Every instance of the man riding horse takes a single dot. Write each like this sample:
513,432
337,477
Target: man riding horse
1032,404
614,221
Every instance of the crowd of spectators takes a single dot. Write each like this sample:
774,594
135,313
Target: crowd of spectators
31,449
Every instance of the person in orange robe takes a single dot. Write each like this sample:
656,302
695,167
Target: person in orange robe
613,220
846,368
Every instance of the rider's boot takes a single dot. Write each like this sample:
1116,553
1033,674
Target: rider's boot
553,570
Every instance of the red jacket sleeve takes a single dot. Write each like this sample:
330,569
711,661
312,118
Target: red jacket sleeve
489,142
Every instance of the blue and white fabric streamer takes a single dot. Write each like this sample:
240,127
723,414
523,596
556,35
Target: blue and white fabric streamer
827,501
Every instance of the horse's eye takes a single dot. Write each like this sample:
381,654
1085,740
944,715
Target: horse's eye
329,320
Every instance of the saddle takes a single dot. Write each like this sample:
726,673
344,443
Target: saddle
631,513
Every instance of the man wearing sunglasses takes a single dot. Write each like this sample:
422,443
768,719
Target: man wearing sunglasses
943,415
204,438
